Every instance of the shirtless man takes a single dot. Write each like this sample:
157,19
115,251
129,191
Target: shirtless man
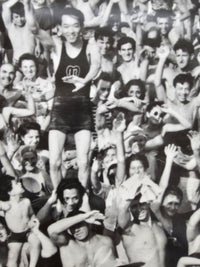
7,75
183,55
143,239
75,234
129,68
76,63
18,19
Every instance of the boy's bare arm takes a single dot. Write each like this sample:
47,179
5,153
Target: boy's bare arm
6,12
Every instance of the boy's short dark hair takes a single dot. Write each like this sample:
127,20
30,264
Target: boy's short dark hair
18,8
70,183
73,12
125,40
28,56
104,32
137,82
27,126
185,45
173,190
183,78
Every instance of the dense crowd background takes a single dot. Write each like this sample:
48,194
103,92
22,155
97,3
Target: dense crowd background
99,133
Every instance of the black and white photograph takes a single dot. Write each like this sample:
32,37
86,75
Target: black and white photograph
99,133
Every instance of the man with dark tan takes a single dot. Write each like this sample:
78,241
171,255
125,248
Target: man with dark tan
143,239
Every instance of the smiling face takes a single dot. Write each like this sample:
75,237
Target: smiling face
71,199
171,204
7,75
70,28
182,92
126,52
109,157
31,138
140,211
182,58
80,231
135,91
18,20
103,89
104,45
29,69
136,169
164,25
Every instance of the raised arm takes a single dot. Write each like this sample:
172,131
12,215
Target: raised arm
20,112
119,126
162,53
6,11
193,226
195,145
56,229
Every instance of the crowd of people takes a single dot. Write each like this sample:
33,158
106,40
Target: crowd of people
99,133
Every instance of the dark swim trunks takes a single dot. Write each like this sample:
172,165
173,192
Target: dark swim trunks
18,237
71,114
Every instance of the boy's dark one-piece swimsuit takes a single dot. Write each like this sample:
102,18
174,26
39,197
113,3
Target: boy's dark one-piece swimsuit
71,111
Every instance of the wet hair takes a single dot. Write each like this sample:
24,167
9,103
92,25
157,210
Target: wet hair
72,12
27,126
125,40
173,190
70,183
28,56
137,82
5,186
141,158
153,105
183,78
18,8
185,45
104,32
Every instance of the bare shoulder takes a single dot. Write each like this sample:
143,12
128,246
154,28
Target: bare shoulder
104,240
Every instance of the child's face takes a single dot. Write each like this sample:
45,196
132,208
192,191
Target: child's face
182,92
182,58
136,169
18,20
32,138
16,189
103,89
126,52
29,69
104,45
134,90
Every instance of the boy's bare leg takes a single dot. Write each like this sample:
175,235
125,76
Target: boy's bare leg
35,249
14,251
56,145
83,140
